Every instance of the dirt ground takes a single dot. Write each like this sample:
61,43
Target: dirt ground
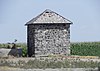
5,68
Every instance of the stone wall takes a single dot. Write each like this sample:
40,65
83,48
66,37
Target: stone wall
49,39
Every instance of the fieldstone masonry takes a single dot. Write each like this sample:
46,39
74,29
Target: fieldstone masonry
48,33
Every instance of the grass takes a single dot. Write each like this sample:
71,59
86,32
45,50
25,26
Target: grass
50,63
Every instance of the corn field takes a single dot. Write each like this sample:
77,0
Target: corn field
85,48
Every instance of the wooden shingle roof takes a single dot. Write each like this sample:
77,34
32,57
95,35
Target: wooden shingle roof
48,17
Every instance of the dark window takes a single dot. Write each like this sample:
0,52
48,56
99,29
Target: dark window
47,12
64,24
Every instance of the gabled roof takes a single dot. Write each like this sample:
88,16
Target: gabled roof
48,17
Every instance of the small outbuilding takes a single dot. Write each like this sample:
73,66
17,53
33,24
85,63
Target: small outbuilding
48,34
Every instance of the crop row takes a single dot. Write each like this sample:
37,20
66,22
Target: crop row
85,48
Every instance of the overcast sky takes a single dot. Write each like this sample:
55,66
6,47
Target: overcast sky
85,15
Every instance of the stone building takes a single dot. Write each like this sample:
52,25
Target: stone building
47,34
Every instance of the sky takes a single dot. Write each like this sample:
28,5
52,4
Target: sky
85,15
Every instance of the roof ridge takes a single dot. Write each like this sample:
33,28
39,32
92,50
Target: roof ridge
46,19
48,10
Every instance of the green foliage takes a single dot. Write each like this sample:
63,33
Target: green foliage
24,48
85,48
3,45
24,52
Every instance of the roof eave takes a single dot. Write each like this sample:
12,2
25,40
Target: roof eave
45,23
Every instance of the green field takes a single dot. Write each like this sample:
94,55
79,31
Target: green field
78,48
85,48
